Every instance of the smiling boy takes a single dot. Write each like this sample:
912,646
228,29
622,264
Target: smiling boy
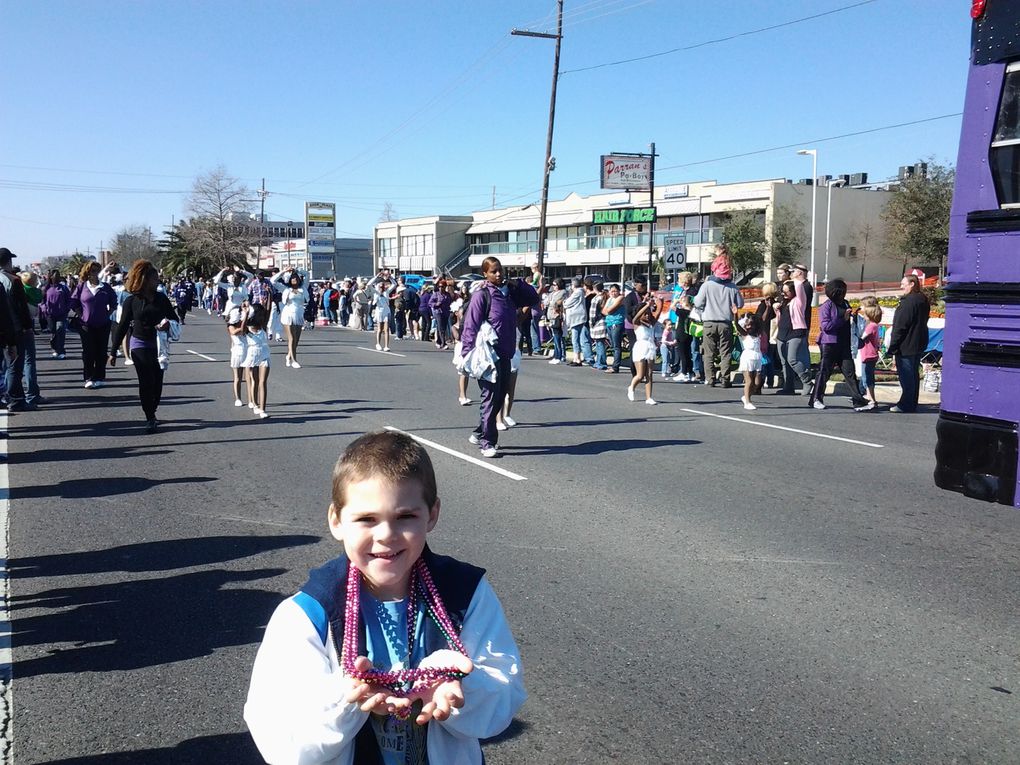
340,676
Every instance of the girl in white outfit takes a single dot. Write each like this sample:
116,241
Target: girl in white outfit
237,329
749,329
257,360
292,310
381,316
643,352
236,286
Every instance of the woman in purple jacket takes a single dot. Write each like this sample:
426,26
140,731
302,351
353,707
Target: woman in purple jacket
440,305
57,299
834,342
94,302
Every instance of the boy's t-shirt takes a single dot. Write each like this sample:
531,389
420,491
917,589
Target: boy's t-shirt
400,741
869,342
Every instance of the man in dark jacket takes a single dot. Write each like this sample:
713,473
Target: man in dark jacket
908,341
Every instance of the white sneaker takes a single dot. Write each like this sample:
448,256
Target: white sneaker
251,405
630,394
238,402
747,404
866,408
386,349
295,365
288,361
818,405
378,347
128,363
473,439
501,426
510,421
651,401
464,401
263,415
60,356
489,451
256,411
54,355
89,384
554,361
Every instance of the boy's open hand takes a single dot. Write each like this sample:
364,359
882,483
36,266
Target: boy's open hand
444,696
371,697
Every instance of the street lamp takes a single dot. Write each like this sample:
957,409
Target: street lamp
814,197
550,163
828,221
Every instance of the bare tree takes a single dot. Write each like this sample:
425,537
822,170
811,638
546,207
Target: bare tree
221,227
133,243
867,236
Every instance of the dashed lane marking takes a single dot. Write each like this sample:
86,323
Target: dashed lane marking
196,353
454,453
384,353
783,427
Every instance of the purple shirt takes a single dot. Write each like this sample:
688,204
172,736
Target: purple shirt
95,309
502,315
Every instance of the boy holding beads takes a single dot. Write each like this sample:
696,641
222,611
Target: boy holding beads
390,653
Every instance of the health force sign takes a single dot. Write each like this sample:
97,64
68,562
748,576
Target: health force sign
622,172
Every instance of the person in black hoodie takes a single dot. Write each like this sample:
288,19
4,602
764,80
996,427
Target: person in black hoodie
908,342
145,311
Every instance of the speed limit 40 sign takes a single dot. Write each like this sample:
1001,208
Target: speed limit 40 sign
675,253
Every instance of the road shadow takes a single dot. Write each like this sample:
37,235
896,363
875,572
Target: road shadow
516,728
88,488
591,448
141,622
233,748
164,555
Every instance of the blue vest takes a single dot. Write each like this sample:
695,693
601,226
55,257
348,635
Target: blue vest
324,599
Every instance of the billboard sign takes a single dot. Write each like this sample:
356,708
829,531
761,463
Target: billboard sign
620,171
320,230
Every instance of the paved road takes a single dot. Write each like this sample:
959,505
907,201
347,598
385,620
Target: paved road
685,584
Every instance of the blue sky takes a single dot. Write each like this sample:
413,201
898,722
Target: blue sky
111,108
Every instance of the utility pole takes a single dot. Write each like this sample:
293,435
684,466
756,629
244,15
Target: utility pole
549,161
651,203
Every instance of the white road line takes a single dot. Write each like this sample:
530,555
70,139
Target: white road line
6,653
466,458
384,353
196,353
781,427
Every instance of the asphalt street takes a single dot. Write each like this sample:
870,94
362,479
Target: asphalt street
688,583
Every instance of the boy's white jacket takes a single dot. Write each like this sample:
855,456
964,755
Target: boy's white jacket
296,710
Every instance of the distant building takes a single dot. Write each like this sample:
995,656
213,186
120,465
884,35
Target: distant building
583,239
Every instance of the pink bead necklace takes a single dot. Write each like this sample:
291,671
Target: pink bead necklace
401,682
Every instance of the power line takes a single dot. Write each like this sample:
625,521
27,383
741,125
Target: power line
720,39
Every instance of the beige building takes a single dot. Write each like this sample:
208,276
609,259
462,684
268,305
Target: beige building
581,241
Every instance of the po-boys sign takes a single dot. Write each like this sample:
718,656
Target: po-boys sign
620,171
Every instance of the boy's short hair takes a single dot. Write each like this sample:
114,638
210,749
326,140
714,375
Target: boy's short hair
384,454
872,312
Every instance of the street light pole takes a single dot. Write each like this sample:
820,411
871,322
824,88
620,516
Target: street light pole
549,135
814,200
828,221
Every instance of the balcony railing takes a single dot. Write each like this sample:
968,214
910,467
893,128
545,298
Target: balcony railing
607,242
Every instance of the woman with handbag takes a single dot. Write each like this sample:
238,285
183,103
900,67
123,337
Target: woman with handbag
145,312
93,302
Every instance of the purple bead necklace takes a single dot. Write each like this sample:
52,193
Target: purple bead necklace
401,682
